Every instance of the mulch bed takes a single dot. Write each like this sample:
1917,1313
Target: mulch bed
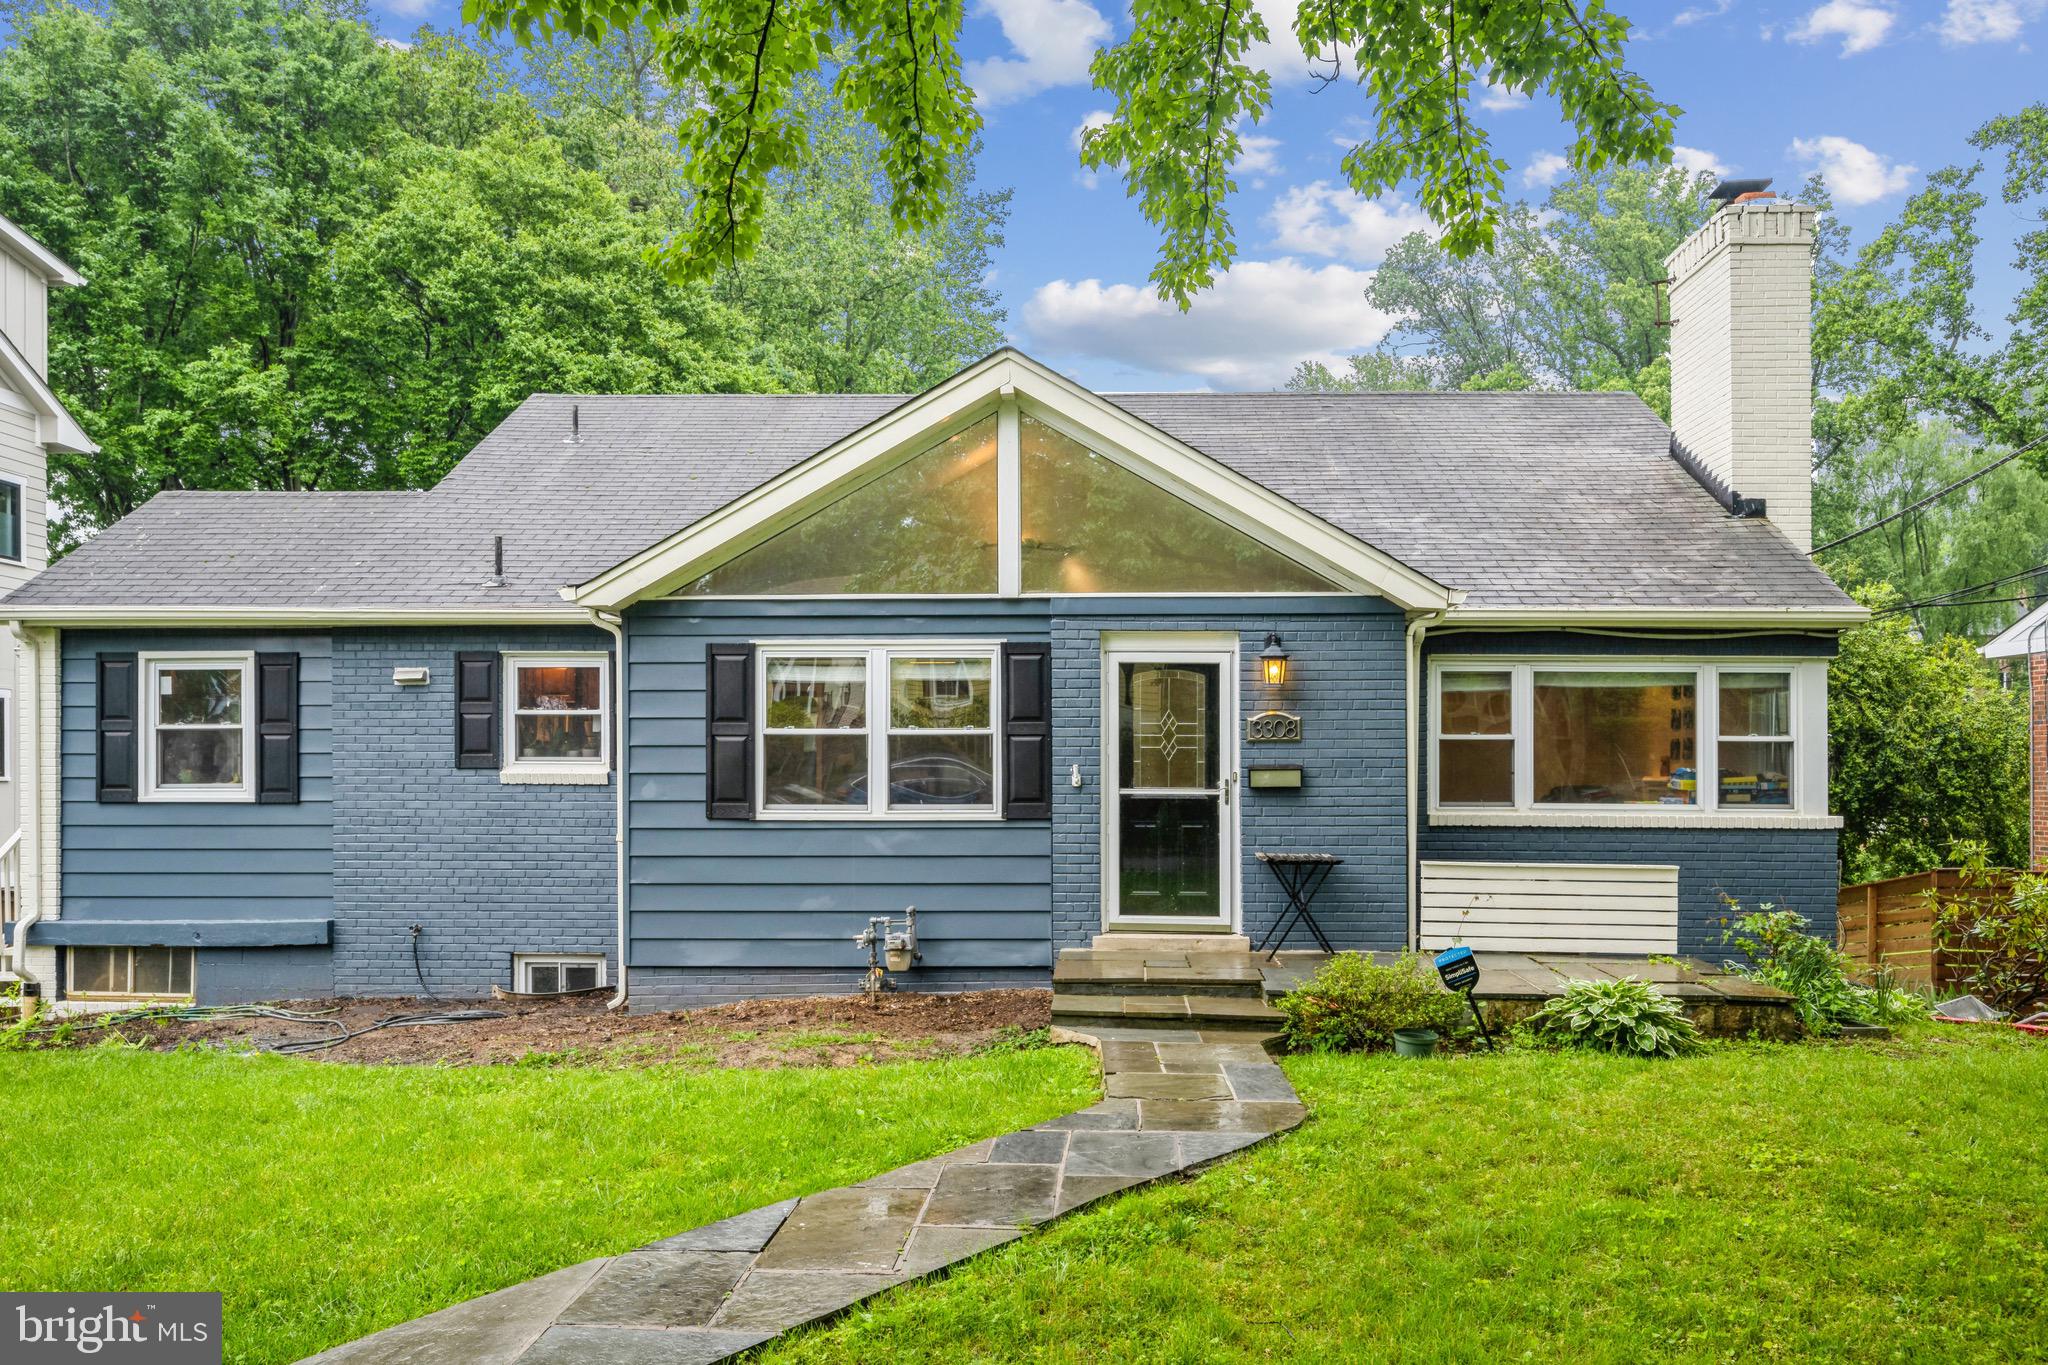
818,1031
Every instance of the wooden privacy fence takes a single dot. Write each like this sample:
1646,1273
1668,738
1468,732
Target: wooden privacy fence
1891,923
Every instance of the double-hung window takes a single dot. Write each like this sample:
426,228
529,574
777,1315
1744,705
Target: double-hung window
555,714
198,714
13,521
877,730
1618,735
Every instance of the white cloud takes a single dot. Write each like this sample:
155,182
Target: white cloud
1546,168
1054,41
1987,21
1256,155
1860,24
1685,18
1693,160
1854,174
1094,118
411,9
1500,99
1322,219
1259,321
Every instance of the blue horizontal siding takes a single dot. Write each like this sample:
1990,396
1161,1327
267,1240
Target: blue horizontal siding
773,895
196,860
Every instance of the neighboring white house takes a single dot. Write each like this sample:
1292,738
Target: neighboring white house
32,424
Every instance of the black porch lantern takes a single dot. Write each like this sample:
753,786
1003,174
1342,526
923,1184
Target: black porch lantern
1273,660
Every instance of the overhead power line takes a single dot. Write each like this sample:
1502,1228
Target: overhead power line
1936,496
1948,599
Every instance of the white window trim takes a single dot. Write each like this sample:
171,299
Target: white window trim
562,771
148,665
7,733
1809,775
878,653
71,993
21,511
523,963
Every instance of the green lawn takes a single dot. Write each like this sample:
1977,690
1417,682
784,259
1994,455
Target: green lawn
326,1201
1846,1202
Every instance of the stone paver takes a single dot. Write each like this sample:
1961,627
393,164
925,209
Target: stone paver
1174,1099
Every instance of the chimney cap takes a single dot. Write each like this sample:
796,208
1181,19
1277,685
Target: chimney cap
1730,190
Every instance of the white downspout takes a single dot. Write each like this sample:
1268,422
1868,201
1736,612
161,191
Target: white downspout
615,626
27,909
1413,745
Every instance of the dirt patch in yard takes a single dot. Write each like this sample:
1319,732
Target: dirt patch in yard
818,1031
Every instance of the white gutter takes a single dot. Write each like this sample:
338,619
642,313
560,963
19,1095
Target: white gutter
1668,617
1413,744
27,909
615,626
53,615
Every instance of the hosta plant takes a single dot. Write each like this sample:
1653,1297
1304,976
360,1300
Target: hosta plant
1628,1016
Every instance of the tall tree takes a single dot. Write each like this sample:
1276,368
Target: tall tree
1897,335
1566,300
418,247
1183,82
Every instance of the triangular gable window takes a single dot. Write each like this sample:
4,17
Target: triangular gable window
1092,526
926,526
1085,524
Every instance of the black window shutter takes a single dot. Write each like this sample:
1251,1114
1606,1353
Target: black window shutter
119,695
729,732
277,729
1027,731
476,711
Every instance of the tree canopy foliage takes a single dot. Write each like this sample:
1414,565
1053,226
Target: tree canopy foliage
1565,300
1185,81
321,260
1926,749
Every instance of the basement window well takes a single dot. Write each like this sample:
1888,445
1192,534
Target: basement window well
557,973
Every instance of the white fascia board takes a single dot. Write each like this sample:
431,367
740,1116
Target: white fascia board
1676,618
2028,635
661,567
37,257
144,617
55,427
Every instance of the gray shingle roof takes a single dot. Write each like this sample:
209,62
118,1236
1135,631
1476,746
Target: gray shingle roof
1523,500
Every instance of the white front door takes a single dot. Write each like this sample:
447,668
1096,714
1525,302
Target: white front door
1169,762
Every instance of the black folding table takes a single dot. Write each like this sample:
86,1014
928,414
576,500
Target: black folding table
1300,875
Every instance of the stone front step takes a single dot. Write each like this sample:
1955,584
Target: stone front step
1161,972
1126,942
1206,1013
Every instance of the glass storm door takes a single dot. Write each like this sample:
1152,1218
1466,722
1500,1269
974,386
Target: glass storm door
1168,829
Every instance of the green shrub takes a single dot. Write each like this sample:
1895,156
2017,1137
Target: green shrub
1352,1004
1994,935
1628,1016
1778,951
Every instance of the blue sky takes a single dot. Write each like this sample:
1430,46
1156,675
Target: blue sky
1870,92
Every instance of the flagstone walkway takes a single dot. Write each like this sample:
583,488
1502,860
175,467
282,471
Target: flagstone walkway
1174,1100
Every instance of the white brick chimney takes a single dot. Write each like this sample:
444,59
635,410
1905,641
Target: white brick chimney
1742,356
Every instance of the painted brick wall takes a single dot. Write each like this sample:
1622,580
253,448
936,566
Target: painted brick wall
229,976
490,869
1346,684
675,988
1794,869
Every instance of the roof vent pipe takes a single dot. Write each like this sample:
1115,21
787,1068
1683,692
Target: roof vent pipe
497,578
575,425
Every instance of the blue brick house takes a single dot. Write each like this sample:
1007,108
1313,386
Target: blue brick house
669,695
